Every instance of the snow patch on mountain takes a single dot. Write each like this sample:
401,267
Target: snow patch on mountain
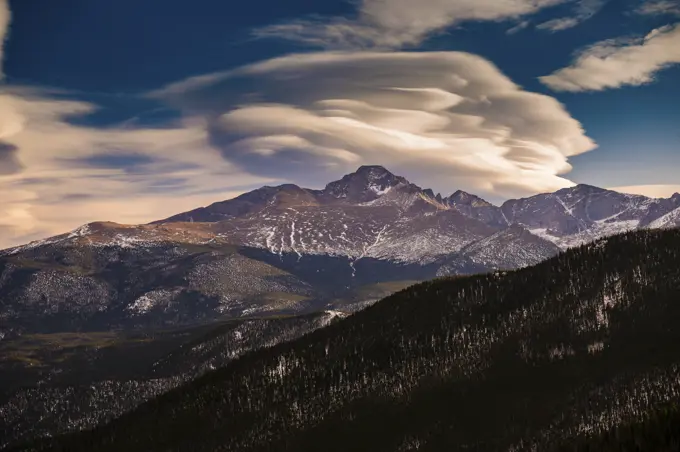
151,300
599,229
378,190
330,315
82,231
510,248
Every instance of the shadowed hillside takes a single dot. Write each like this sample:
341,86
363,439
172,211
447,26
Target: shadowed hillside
58,383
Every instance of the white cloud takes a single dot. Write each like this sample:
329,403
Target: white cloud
519,27
616,63
659,7
584,10
5,17
652,191
450,119
55,176
68,175
563,23
395,23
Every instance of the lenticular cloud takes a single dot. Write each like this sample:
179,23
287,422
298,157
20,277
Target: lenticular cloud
447,115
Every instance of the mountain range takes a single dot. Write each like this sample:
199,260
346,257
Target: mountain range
279,218
289,250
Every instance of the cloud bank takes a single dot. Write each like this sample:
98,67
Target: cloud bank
396,23
55,175
451,119
616,63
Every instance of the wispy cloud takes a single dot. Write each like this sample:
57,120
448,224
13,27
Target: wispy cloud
621,62
659,7
519,27
584,10
397,23
563,23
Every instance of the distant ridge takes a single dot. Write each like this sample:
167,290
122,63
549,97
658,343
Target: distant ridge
568,217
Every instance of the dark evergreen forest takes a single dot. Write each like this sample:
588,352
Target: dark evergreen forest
577,353
657,432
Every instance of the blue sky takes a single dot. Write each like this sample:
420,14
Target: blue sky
129,110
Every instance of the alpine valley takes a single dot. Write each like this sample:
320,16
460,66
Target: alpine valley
98,320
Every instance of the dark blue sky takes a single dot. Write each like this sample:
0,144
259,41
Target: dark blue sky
130,45
110,54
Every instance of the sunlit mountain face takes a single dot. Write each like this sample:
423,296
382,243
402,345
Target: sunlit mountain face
197,195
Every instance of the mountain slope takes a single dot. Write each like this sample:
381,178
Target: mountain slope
657,432
670,220
248,203
581,214
510,248
124,277
78,381
506,361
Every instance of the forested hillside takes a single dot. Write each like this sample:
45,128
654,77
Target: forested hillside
58,383
657,432
547,356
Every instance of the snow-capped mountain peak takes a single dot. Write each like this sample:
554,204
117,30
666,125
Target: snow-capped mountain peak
365,184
